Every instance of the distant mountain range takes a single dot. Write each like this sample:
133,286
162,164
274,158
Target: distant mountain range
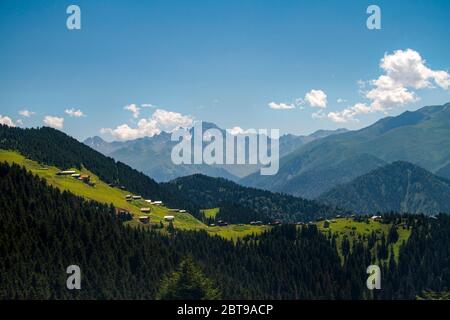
397,187
152,155
421,137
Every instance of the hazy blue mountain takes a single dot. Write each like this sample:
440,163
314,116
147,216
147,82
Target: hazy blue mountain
152,155
291,142
421,137
102,146
444,171
400,187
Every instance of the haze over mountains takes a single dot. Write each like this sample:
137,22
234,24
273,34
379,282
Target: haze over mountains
421,137
152,155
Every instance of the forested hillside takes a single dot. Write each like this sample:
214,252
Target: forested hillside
212,192
399,187
43,231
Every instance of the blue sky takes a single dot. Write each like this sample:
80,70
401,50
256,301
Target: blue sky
219,61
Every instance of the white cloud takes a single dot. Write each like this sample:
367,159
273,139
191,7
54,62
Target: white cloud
349,113
147,105
161,120
316,98
407,68
404,70
54,122
134,109
238,130
6,121
125,132
19,122
340,100
281,106
74,113
26,113
169,121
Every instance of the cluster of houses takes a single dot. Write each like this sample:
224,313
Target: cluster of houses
130,197
79,176
147,210
146,219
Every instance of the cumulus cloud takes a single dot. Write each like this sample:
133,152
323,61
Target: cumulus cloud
26,113
54,122
134,109
281,106
161,120
74,113
407,68
349,113
169,121
316,98
340,100
403,72
6,121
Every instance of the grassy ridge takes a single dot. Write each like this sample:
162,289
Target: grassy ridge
103,193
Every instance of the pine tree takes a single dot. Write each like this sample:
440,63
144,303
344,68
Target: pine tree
187,283
392,235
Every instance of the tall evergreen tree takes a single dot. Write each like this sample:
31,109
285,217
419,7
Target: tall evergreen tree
187,283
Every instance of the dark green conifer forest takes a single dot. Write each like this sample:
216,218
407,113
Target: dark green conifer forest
43,230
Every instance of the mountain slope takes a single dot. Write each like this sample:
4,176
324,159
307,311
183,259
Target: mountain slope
210,192
421,137
399,187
